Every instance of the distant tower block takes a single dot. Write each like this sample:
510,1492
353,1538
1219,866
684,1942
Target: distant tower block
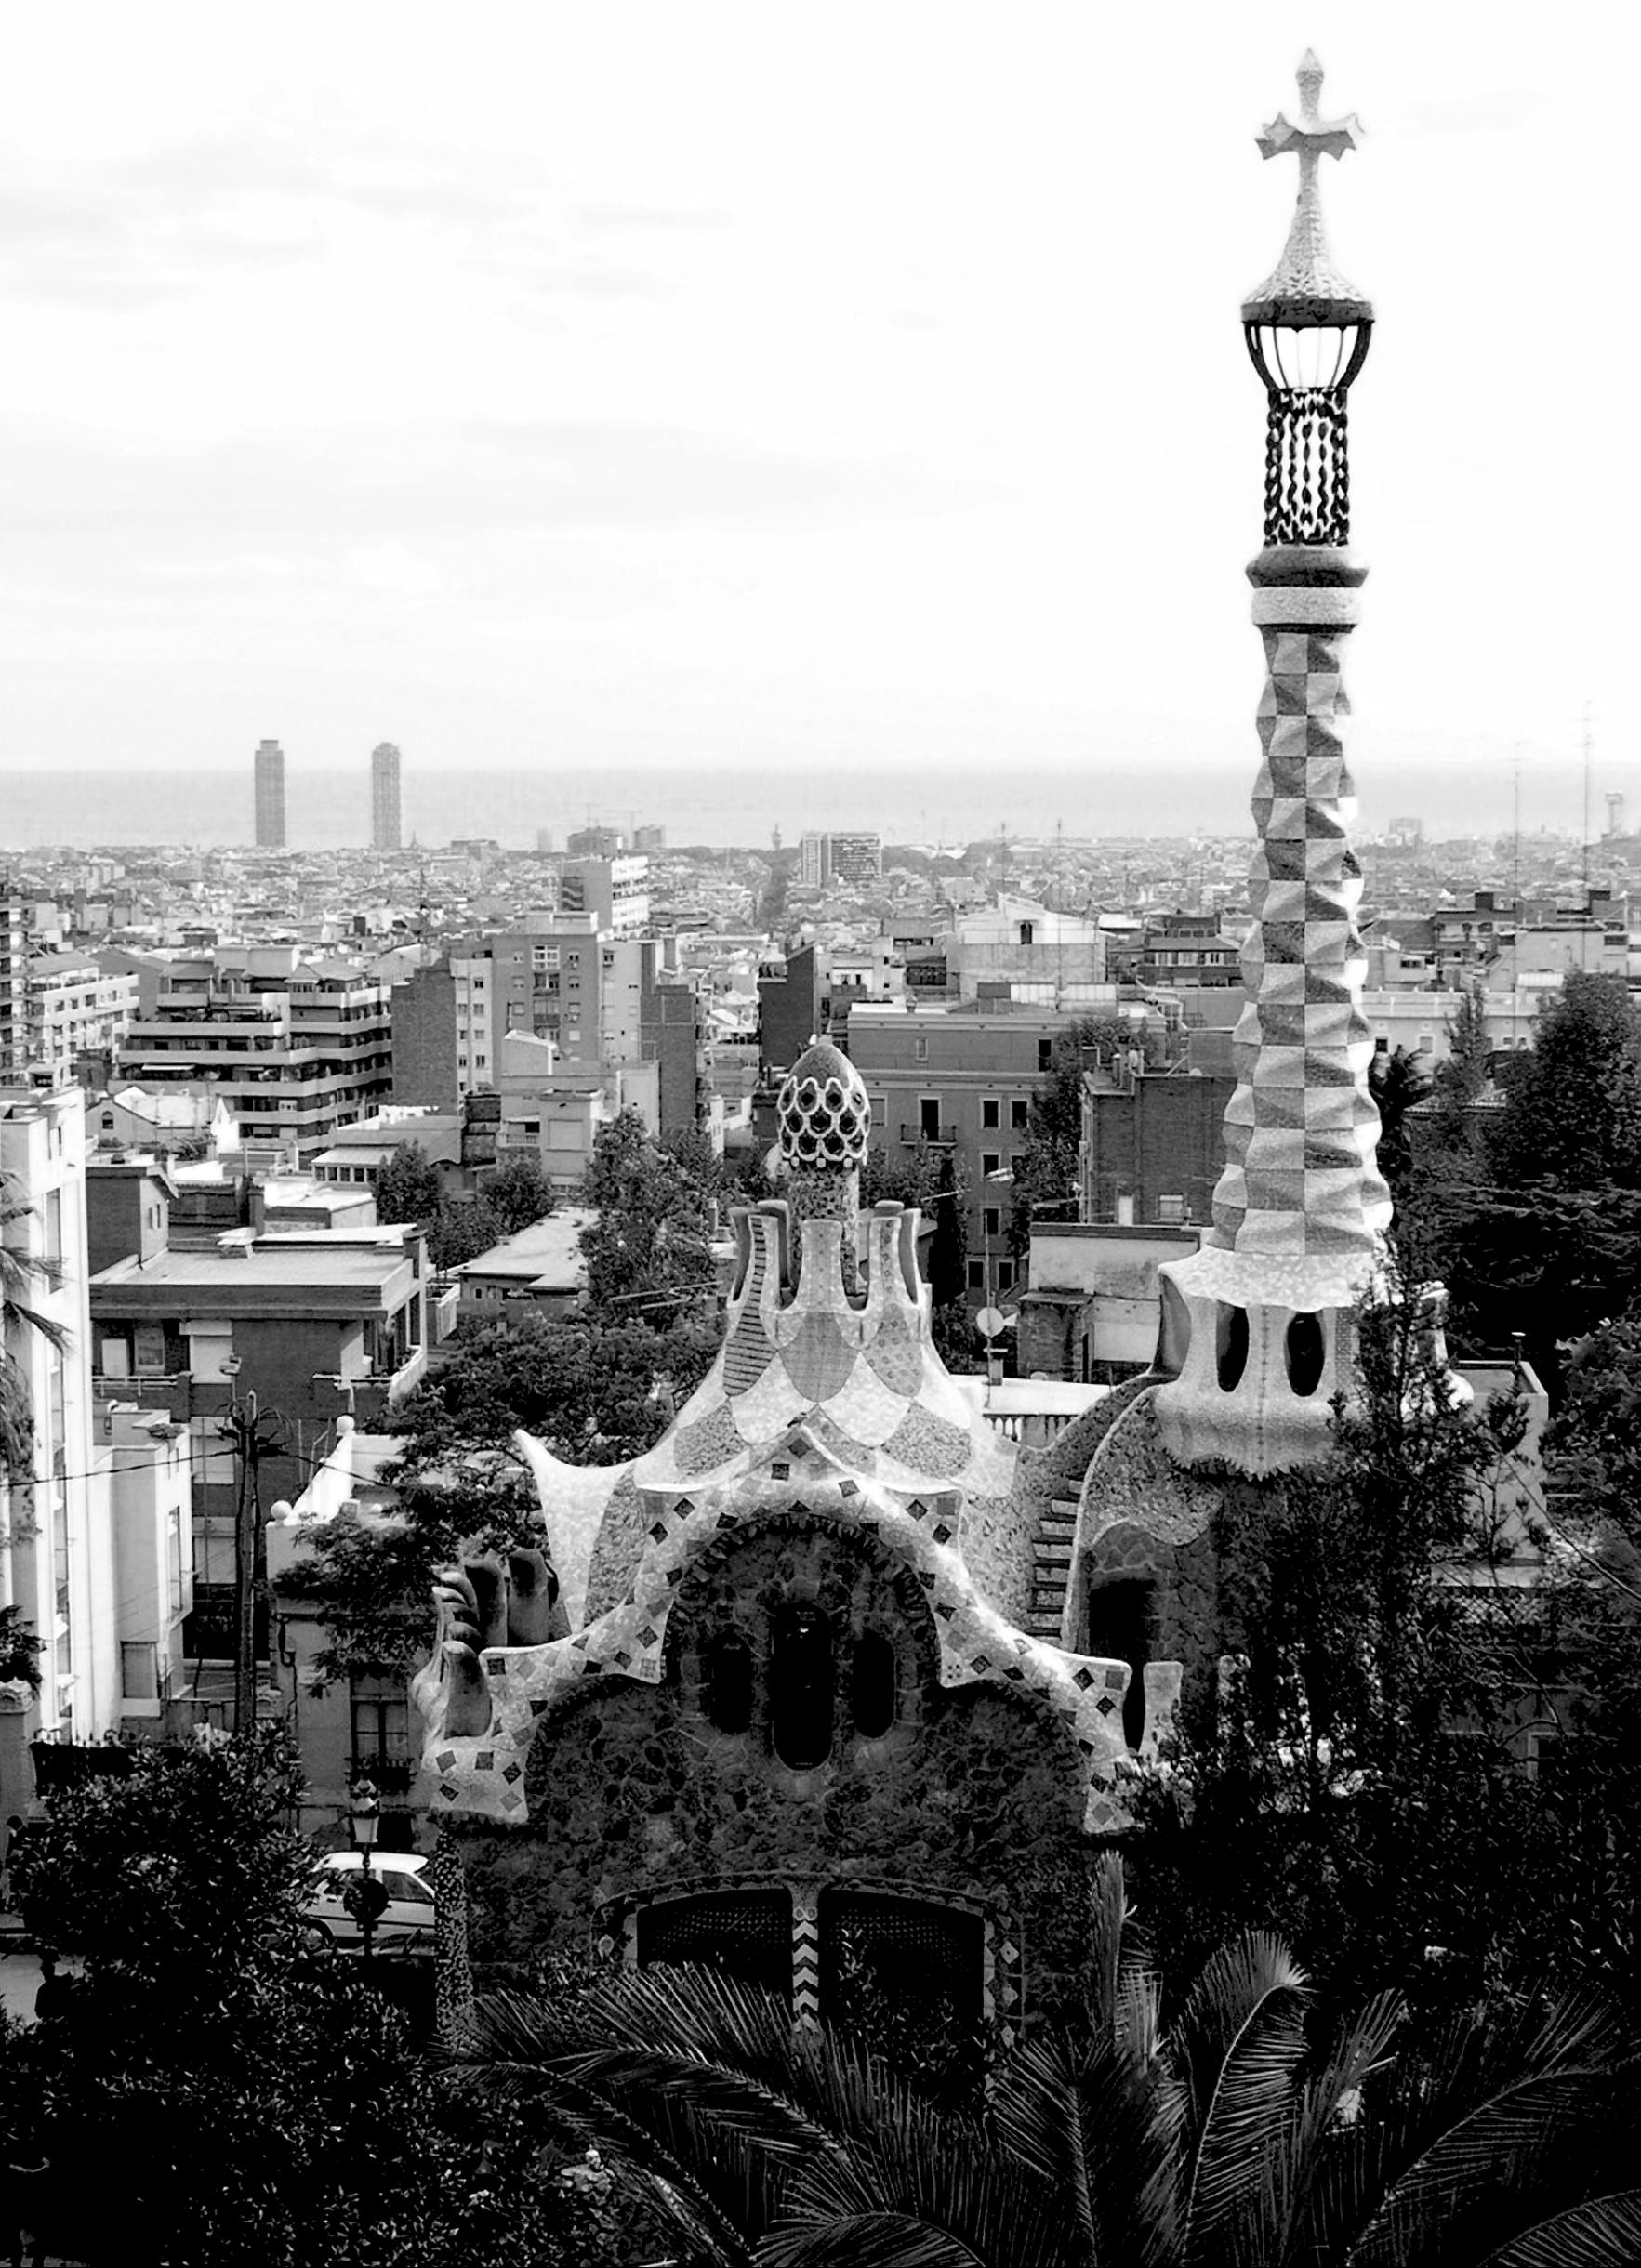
1615,812
386,820
1257,1324
269,782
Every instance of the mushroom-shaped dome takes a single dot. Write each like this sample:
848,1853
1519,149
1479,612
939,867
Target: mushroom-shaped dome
825,1113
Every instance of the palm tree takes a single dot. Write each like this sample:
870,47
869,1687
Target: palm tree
21,1273
1234,2138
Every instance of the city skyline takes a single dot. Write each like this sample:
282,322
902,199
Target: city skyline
667,418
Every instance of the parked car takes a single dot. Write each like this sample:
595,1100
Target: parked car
408,1917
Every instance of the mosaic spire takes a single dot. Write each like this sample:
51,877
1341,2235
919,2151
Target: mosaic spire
1256,1324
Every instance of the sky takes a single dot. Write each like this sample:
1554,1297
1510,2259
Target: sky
774,389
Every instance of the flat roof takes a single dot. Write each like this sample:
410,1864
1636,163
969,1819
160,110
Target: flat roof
331,1271
547,1255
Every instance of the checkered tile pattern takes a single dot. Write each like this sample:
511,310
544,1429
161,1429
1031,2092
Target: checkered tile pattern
1301,1130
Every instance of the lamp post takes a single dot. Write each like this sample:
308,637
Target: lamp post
366,1895
243,1421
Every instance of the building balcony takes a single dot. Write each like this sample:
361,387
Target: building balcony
937,1137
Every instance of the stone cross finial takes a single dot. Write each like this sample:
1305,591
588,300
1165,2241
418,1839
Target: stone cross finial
1305,282
1313,136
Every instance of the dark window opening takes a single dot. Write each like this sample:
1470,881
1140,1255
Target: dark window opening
873,1684
800,1696
1119,1630
1305,1349
1233,1344
743,1933
929,1117
991,1111
726,1682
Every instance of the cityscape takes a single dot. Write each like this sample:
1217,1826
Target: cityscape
777,1514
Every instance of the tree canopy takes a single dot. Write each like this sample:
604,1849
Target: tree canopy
648,1251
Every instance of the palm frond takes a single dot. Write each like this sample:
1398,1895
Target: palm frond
1107,1929
1101,2131
1491,2121
1605,2233
1300,2191
868,2240
1240,2043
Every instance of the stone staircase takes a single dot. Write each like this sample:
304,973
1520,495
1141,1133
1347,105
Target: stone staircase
1051,1571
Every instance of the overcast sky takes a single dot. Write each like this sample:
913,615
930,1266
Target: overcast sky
609,385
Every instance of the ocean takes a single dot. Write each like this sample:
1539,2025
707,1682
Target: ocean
331,809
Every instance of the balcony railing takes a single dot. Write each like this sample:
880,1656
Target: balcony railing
942,1138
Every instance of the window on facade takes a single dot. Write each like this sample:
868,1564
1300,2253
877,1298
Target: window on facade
726,1682
873,1684
976,1275
380,1721
991,1219
801,1673
140,1671
991,1161
920,1050
929,1117
1005,1275
1045,1055
1019,1112
1027,931
990,1111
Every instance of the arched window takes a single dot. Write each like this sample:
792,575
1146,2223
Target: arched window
1305,1349
1232,1344
800,1679
726,1682
1119,1630
872,1683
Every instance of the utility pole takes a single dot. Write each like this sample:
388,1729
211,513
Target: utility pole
243,1421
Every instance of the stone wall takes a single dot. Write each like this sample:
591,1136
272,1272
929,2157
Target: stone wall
636,1793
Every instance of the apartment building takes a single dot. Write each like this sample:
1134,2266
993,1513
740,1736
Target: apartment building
297,1046
616,892
59,1532
317,1324
74,1008
959,1078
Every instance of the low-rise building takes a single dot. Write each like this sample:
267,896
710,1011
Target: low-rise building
540,1266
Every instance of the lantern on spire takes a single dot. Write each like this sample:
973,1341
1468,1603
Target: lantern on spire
1307,330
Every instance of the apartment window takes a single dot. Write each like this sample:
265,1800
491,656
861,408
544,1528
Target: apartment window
140,1671
919,1049
1019,1114
1027,933
1005,1275
545,957
379,1719
992,1220
990,1112
1045,1055
991,1161
929,1117
150,1351
976,1275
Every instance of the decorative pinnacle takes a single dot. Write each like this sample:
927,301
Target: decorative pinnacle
1305,289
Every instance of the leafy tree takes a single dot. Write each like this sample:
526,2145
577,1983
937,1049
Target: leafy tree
1248,2128
21,1274
1461,1076
1046,1166
409,1187
463,1228
1323,1782
648,1252
241,2094
519,1193
1397,1081
1572,1115
595,1393
1541,1231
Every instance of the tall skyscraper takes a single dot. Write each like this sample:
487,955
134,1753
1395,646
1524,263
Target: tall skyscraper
270,774
384,829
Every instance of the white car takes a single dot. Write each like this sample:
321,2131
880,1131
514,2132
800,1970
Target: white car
408,1919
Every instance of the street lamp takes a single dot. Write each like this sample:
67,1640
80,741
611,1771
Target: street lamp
243,1421
366,1895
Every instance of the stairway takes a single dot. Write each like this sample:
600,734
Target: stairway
1051,1570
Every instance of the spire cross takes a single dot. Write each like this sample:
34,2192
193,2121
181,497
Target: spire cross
1314,135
